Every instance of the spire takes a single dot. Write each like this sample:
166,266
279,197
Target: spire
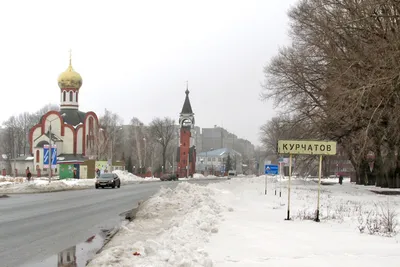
187,108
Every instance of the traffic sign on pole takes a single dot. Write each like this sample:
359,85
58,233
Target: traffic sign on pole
271,169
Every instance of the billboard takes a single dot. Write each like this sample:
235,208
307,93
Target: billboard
101,165
307,147
46,156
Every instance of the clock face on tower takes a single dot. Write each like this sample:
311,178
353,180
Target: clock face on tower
187,123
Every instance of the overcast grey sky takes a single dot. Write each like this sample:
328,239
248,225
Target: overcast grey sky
136,56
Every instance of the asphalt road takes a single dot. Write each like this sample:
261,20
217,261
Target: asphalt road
36,226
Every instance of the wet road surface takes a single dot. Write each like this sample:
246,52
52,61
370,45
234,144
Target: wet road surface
36,226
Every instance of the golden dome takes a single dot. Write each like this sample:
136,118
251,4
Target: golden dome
70,78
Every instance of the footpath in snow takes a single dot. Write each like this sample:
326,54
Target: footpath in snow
234,223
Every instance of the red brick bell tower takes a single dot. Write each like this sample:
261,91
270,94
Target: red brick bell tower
186,157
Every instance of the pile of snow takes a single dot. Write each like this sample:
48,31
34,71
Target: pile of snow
127,177
170,229
198,175
234,223
41,185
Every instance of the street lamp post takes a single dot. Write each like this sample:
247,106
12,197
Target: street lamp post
15,158
112,148
145,150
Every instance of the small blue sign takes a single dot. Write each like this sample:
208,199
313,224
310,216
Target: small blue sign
46,156
271,169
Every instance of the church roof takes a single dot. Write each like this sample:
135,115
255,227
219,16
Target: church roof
187,108
54,138
41,144
73,116
68,158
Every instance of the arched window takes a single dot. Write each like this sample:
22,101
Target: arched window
64,96
90,124
37,156
91,131
76,96
71,95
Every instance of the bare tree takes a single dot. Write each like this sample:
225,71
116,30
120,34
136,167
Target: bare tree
341,73
111,125
137,134
163,132
99,148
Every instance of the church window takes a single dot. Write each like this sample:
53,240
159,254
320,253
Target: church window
91,136
184,144
71,94
76,96
37,156
90,124
64,96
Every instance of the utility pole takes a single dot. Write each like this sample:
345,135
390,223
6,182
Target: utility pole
50,156
187,171
15,155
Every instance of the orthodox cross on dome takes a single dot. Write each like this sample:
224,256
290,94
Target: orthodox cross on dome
70,56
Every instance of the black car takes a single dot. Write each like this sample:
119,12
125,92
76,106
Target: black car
108,180
169,177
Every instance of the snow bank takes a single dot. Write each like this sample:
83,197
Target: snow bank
233,223
266,239
39,186
170,229
127,177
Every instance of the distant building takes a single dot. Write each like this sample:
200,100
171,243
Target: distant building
218,137
214,161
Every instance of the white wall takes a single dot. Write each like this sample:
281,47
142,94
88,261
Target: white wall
68,139
79,136
21,167
55,124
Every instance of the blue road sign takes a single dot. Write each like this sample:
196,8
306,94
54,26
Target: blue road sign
53,157
46,156
271,169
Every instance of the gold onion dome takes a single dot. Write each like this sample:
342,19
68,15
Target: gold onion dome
70,78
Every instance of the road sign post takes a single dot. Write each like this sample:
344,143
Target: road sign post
270,169
319,187
265,185
303,147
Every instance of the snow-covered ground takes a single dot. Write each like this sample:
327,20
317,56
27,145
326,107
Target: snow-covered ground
234,223
43,185
10,185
